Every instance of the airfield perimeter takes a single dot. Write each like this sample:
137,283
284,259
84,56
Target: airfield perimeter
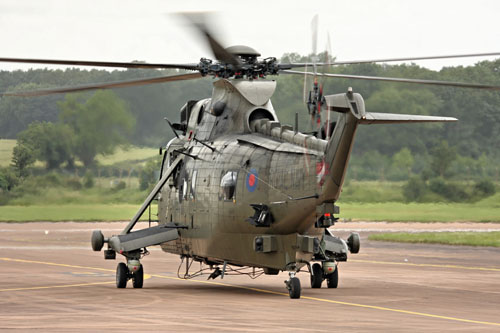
52,280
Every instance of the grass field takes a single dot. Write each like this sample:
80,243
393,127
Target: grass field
448,238
130,154
77,208
121,155
486,210
71,212
360,200
6,147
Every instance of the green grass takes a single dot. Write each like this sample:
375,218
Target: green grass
125,155
486,210
71,212
121,155
372,191
94,196
448,238
6,147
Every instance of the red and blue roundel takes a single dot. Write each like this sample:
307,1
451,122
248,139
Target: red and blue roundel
251,180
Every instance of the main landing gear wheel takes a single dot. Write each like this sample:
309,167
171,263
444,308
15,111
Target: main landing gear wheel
294,287
121,275
138,278
316,276
332,280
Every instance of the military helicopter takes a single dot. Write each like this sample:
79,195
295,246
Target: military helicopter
239,192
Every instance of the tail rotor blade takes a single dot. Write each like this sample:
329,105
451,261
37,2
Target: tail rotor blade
304,97
314,29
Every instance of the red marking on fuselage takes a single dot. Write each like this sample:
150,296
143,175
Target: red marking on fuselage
251,180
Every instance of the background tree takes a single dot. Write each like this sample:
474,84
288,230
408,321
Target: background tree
22,158
50,143
7,179
442,156
403,160
100,124
16,113
149,174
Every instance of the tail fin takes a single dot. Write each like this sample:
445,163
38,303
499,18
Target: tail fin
351,109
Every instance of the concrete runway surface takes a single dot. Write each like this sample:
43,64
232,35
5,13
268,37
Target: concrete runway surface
51,280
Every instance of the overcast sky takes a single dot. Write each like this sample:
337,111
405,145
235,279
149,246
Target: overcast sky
125,30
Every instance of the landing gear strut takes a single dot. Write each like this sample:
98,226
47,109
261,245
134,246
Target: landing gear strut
133,271
293,285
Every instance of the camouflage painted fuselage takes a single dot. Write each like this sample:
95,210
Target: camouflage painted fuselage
272,165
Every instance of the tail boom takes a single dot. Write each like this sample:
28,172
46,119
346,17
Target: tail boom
351,112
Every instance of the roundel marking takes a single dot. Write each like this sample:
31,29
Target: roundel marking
252,180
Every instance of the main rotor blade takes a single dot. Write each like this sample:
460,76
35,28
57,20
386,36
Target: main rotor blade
199,21
106,85
100,63
354,62
393,79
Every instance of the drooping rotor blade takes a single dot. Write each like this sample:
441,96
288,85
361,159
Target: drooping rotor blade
199,21
100,63
402,80
105,85
354,62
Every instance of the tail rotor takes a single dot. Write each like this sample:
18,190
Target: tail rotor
315,96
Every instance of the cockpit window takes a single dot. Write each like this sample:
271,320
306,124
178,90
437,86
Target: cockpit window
228,185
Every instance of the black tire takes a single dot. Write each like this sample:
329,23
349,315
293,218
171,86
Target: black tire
121,275
97,240
354,243
138,278
294,290
316,276
332,280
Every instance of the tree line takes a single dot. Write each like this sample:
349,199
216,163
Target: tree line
477,132
380,152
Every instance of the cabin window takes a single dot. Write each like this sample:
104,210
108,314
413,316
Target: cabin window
228,185
185,189
193,185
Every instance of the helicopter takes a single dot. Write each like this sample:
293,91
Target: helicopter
239,192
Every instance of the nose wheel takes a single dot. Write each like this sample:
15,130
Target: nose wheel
293,285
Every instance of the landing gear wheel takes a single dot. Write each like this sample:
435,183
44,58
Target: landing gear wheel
138,278
332,280
316,276
97,240
294,287
121,275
